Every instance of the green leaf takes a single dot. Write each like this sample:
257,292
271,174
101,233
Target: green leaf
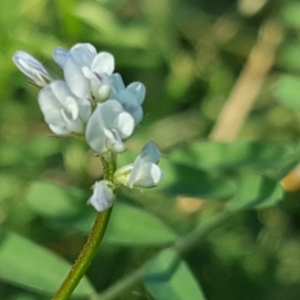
52,200
256,192
239,155
26,264
132,226
187,180
168,277
68,206
287,91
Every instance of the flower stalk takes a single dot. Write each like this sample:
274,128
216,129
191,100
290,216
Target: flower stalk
93,242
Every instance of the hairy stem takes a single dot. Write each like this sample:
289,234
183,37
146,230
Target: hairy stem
94,239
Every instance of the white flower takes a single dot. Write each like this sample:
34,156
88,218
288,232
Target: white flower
131,97
63,111
108,126
103,196
144,172
32,68
86,72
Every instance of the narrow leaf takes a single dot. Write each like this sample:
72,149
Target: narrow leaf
26,264
256,192
186,180
52,200
132,226
168,277
128,225
234,156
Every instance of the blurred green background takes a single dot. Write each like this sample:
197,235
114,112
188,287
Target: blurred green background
189,54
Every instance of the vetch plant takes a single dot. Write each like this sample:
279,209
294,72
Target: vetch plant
93,102
227,146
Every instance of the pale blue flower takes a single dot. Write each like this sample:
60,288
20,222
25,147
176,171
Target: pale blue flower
63,111
108,126
144,172
86,72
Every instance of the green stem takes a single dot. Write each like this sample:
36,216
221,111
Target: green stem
94,239
85,257
187,242
181,246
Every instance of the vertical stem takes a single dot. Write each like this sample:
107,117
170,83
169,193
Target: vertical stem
94,239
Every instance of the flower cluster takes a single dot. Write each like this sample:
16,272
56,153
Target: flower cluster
94,102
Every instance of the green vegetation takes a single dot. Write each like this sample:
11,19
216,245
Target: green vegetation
222,104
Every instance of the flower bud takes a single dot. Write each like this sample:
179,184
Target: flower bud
32,68
144,172
103,195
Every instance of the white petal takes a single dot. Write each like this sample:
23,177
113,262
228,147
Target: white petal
61,91
75,126
114,141
72,107
85,112
60,55
102,197
138,90
83,54
88,73
104,62
59,130
110,111
148,175
50,107
99,85
86,46
137,165
103,92
95,131
75,79
124,124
